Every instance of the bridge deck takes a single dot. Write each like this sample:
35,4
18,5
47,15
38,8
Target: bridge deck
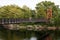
17,20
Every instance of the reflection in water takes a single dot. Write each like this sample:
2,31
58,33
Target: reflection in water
19,35
1,39
26,39
33,38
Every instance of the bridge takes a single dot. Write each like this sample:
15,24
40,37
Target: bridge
8,22
18,20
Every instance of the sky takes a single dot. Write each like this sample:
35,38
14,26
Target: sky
29,3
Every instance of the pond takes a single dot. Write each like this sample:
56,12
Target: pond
22,35
19,35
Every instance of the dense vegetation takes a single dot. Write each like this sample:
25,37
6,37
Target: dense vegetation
14,11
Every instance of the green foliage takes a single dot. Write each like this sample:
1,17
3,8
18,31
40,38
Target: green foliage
13,11
42,7
27,12
57,20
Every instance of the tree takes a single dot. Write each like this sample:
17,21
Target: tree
42,7
27,12
56,19
11,11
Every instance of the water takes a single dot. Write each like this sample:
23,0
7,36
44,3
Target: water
33,38
17,35
21,35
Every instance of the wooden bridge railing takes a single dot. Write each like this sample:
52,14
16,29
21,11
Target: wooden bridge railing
18,20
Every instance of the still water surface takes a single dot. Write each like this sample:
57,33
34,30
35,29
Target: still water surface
21,35
17,35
